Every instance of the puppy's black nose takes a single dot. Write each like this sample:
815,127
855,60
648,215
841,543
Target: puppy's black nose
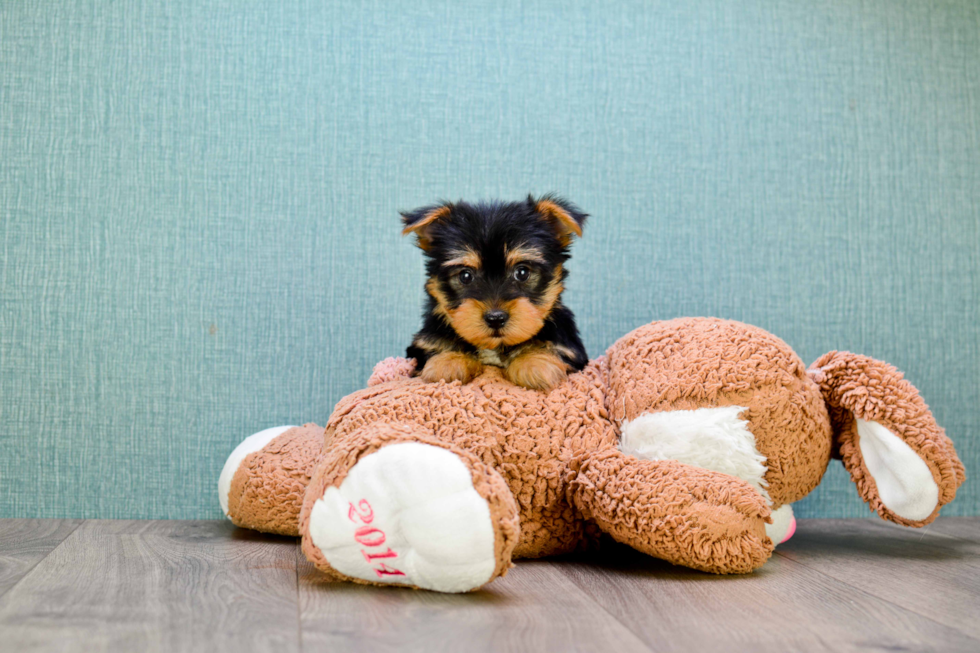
496,318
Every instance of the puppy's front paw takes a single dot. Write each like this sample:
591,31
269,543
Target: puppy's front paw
537,369
451,366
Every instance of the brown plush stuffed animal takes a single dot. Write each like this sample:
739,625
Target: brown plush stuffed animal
688,441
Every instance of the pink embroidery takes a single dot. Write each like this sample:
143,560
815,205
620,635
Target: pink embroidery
385,570
369,536
366,507
372,537
371,557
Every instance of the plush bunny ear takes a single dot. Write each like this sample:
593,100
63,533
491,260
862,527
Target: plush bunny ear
902,462
563,216
420,222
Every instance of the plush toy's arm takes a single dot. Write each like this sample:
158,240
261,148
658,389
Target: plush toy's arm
392,369
264,479
903,464
683,514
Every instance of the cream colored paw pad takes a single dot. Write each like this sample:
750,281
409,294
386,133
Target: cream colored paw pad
407,514
783,524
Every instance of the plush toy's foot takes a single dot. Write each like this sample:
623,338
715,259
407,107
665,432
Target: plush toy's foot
264,479
709,438
783,524
418,515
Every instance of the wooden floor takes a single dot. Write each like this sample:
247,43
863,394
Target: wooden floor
207,586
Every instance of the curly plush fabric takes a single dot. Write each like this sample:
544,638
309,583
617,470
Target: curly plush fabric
267,490
685,515
346,452
860,387
528,437
690,363
391,369
549,467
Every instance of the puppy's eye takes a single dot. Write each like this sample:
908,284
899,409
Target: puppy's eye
465,277
522,273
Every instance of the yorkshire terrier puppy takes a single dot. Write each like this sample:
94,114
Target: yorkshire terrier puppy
496,272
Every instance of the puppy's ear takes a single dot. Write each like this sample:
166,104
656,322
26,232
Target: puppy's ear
563,216
420,222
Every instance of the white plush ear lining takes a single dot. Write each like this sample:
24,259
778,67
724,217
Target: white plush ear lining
905,484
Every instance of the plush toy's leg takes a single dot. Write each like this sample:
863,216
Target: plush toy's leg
686,515
391,505
264,479
712,438
903,464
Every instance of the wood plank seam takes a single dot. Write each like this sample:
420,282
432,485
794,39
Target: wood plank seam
585,593
878,597
43,558
299,606
928,530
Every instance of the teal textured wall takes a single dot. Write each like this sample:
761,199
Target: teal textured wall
198,204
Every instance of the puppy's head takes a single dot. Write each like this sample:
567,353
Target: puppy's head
496,269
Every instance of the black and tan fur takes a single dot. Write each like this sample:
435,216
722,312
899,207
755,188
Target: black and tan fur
496,272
